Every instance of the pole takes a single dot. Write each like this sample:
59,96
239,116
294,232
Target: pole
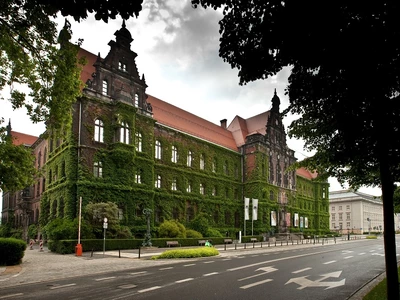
104,242
78,248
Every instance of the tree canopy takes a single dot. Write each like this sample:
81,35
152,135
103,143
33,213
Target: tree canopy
344,84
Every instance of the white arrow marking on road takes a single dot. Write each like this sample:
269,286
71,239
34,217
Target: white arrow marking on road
305,282
380,254
265,269
255,283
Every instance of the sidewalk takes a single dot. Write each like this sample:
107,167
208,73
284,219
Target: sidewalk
39,266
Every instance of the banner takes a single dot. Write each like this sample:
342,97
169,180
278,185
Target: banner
301,222
246,208
273,218
296,220
288,224
255,209
305,222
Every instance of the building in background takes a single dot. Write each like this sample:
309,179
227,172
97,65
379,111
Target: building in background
133,149
356,212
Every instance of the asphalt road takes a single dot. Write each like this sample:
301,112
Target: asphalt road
332,272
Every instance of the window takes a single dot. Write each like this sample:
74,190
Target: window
136,100
214,165
122,66
333,208
158,150
98,130
214,191
348,216
189,187
347,207
201,189
120,214
173,184
124,133
189,159
340,207
340,217
333,217
97,169
333,225
202,163
105,87
174,154
138,141
158,182
138,177
348,225
226,168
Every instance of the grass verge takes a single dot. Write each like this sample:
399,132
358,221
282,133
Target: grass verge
188,253
379,291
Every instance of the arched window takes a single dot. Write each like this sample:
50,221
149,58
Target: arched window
138,141
202,162
158,182
105,87
158,150
98,130
174,154
189,159
124,133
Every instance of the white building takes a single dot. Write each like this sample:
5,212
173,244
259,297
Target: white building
356,212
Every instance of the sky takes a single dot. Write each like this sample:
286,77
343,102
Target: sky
178,53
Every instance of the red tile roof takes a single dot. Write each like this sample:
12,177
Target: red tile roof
23,139
306,174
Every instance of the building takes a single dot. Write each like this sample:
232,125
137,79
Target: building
356,212
140,152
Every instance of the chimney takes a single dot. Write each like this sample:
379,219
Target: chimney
223,123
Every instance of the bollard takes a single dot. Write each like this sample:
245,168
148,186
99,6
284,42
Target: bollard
235,245
139,252
119,253
41,246
91,254
244,245
31,244
224,246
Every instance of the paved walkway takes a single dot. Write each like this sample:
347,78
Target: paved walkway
39,266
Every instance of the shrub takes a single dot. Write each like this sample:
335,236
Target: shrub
190,233
200,224
32,231
11,251
213,233
172,229
188,253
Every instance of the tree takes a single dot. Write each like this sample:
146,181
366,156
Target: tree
17,169
344,85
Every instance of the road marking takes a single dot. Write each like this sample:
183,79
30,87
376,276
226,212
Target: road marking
380,254
138,273
210,274
166,268
189,265
305,282
371,250
255,283
255,255
266,271
209,262
127,286
275,260
329,262
347,251
347,257
302,270
184,280
227,259
149,289
11,295
62,286
105,278
362,253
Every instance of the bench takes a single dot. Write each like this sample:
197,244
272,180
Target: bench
227,241
202,242
253,240
172,243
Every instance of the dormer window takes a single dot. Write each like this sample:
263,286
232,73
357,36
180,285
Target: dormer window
122,66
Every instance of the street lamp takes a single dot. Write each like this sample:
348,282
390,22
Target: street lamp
369,226
105,225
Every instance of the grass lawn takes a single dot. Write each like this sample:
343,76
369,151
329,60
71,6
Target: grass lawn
379,292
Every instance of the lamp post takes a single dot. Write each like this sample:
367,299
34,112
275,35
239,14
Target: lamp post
369,226
105,225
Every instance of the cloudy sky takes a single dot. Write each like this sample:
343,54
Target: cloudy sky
177,49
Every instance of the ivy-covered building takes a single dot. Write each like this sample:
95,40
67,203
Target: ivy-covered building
138,151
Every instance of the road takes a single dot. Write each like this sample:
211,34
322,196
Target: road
331,272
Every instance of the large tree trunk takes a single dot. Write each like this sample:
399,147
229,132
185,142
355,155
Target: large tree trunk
389,233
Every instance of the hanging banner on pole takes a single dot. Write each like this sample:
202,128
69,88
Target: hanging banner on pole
246,208
255,209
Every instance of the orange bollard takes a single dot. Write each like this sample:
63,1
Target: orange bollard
78,250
